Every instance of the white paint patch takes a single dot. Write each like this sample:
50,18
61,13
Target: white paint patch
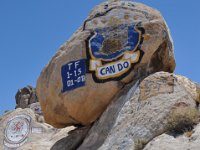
112,70
37,130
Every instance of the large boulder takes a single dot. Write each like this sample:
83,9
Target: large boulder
119,42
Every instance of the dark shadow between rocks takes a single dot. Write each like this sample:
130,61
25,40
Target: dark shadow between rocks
73,140
159,59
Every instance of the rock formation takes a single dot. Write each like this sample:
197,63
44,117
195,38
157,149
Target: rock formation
113,80
161,104
186,141
162,108
119,42
25,97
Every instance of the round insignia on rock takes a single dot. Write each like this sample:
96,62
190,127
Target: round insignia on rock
17,130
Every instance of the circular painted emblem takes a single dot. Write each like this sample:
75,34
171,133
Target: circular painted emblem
17,129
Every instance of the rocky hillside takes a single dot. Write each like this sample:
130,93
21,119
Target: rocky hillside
110,87
161,112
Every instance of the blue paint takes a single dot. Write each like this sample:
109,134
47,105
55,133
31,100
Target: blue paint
97,41
73,75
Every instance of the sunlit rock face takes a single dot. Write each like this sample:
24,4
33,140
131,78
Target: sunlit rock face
119,42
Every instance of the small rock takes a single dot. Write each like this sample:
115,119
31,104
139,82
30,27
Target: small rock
25,97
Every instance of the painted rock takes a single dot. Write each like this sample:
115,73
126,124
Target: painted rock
119,42
20,127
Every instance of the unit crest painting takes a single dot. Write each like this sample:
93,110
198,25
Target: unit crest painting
113,51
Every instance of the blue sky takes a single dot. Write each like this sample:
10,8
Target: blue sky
31,31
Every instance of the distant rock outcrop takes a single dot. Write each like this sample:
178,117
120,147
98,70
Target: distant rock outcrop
25,97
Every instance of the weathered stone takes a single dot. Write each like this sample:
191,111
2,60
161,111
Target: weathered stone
45,143
20,129
189,86
138,115
130,122
119,42
198,91
177,142
153,86
25,97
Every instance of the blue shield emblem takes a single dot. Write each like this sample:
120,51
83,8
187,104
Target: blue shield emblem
111,43
113,51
